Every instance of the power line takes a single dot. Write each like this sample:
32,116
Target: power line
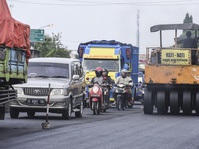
102,3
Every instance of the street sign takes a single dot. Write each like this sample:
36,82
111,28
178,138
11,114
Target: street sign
37,35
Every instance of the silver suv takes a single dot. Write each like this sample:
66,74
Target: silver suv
60,78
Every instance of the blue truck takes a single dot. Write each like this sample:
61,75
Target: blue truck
112,55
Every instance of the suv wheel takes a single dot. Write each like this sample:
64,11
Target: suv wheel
66,114
14,113
80,112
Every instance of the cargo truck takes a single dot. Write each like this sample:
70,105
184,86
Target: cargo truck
112,55
14,54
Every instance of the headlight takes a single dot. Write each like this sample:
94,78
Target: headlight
120,85
142,91
19,90
95,89
58,92
139,90
116,90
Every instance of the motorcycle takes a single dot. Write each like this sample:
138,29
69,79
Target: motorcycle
96,99
105,88
121,90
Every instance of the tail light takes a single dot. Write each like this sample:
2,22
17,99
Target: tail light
80,52
128,53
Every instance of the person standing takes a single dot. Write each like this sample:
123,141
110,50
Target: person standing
191,43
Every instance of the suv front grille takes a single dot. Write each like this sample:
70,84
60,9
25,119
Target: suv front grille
36,91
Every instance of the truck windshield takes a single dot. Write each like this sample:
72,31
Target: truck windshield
91,64
48,70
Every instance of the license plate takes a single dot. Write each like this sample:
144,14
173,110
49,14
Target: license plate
36,101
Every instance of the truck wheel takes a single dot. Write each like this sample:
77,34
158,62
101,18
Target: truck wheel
197,103
14,113
148,101
174,104
80,112
66,114
2,113
162,107
186,102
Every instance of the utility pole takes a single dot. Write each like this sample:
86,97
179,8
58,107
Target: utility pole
138,29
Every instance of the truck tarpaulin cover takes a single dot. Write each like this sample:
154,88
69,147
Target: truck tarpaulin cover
13,33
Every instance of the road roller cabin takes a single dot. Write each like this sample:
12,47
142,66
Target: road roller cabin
171,76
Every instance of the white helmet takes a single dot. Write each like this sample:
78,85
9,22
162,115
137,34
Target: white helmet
124,73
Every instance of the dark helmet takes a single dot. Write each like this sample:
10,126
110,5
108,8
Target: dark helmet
98,71
124,73
105,72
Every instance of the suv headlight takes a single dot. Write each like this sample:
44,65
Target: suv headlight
58,92
19,90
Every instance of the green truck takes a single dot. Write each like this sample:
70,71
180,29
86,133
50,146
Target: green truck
13,70
14,54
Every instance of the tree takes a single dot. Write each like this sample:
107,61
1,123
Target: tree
52,47
188,18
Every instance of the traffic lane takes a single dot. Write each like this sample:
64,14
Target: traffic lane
117,129
24,124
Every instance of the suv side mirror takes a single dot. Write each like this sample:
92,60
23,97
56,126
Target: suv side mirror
75,77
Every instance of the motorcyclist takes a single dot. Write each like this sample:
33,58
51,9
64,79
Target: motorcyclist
97,79
127,81
109,81
98,76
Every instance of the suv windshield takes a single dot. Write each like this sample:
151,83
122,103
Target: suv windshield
48,70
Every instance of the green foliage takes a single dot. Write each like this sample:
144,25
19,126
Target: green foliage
52,47
188,18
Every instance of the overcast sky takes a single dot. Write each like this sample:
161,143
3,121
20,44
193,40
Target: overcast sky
85,20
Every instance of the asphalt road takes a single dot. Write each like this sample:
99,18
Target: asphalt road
129,129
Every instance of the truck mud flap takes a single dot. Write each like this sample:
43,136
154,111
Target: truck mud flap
2,113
